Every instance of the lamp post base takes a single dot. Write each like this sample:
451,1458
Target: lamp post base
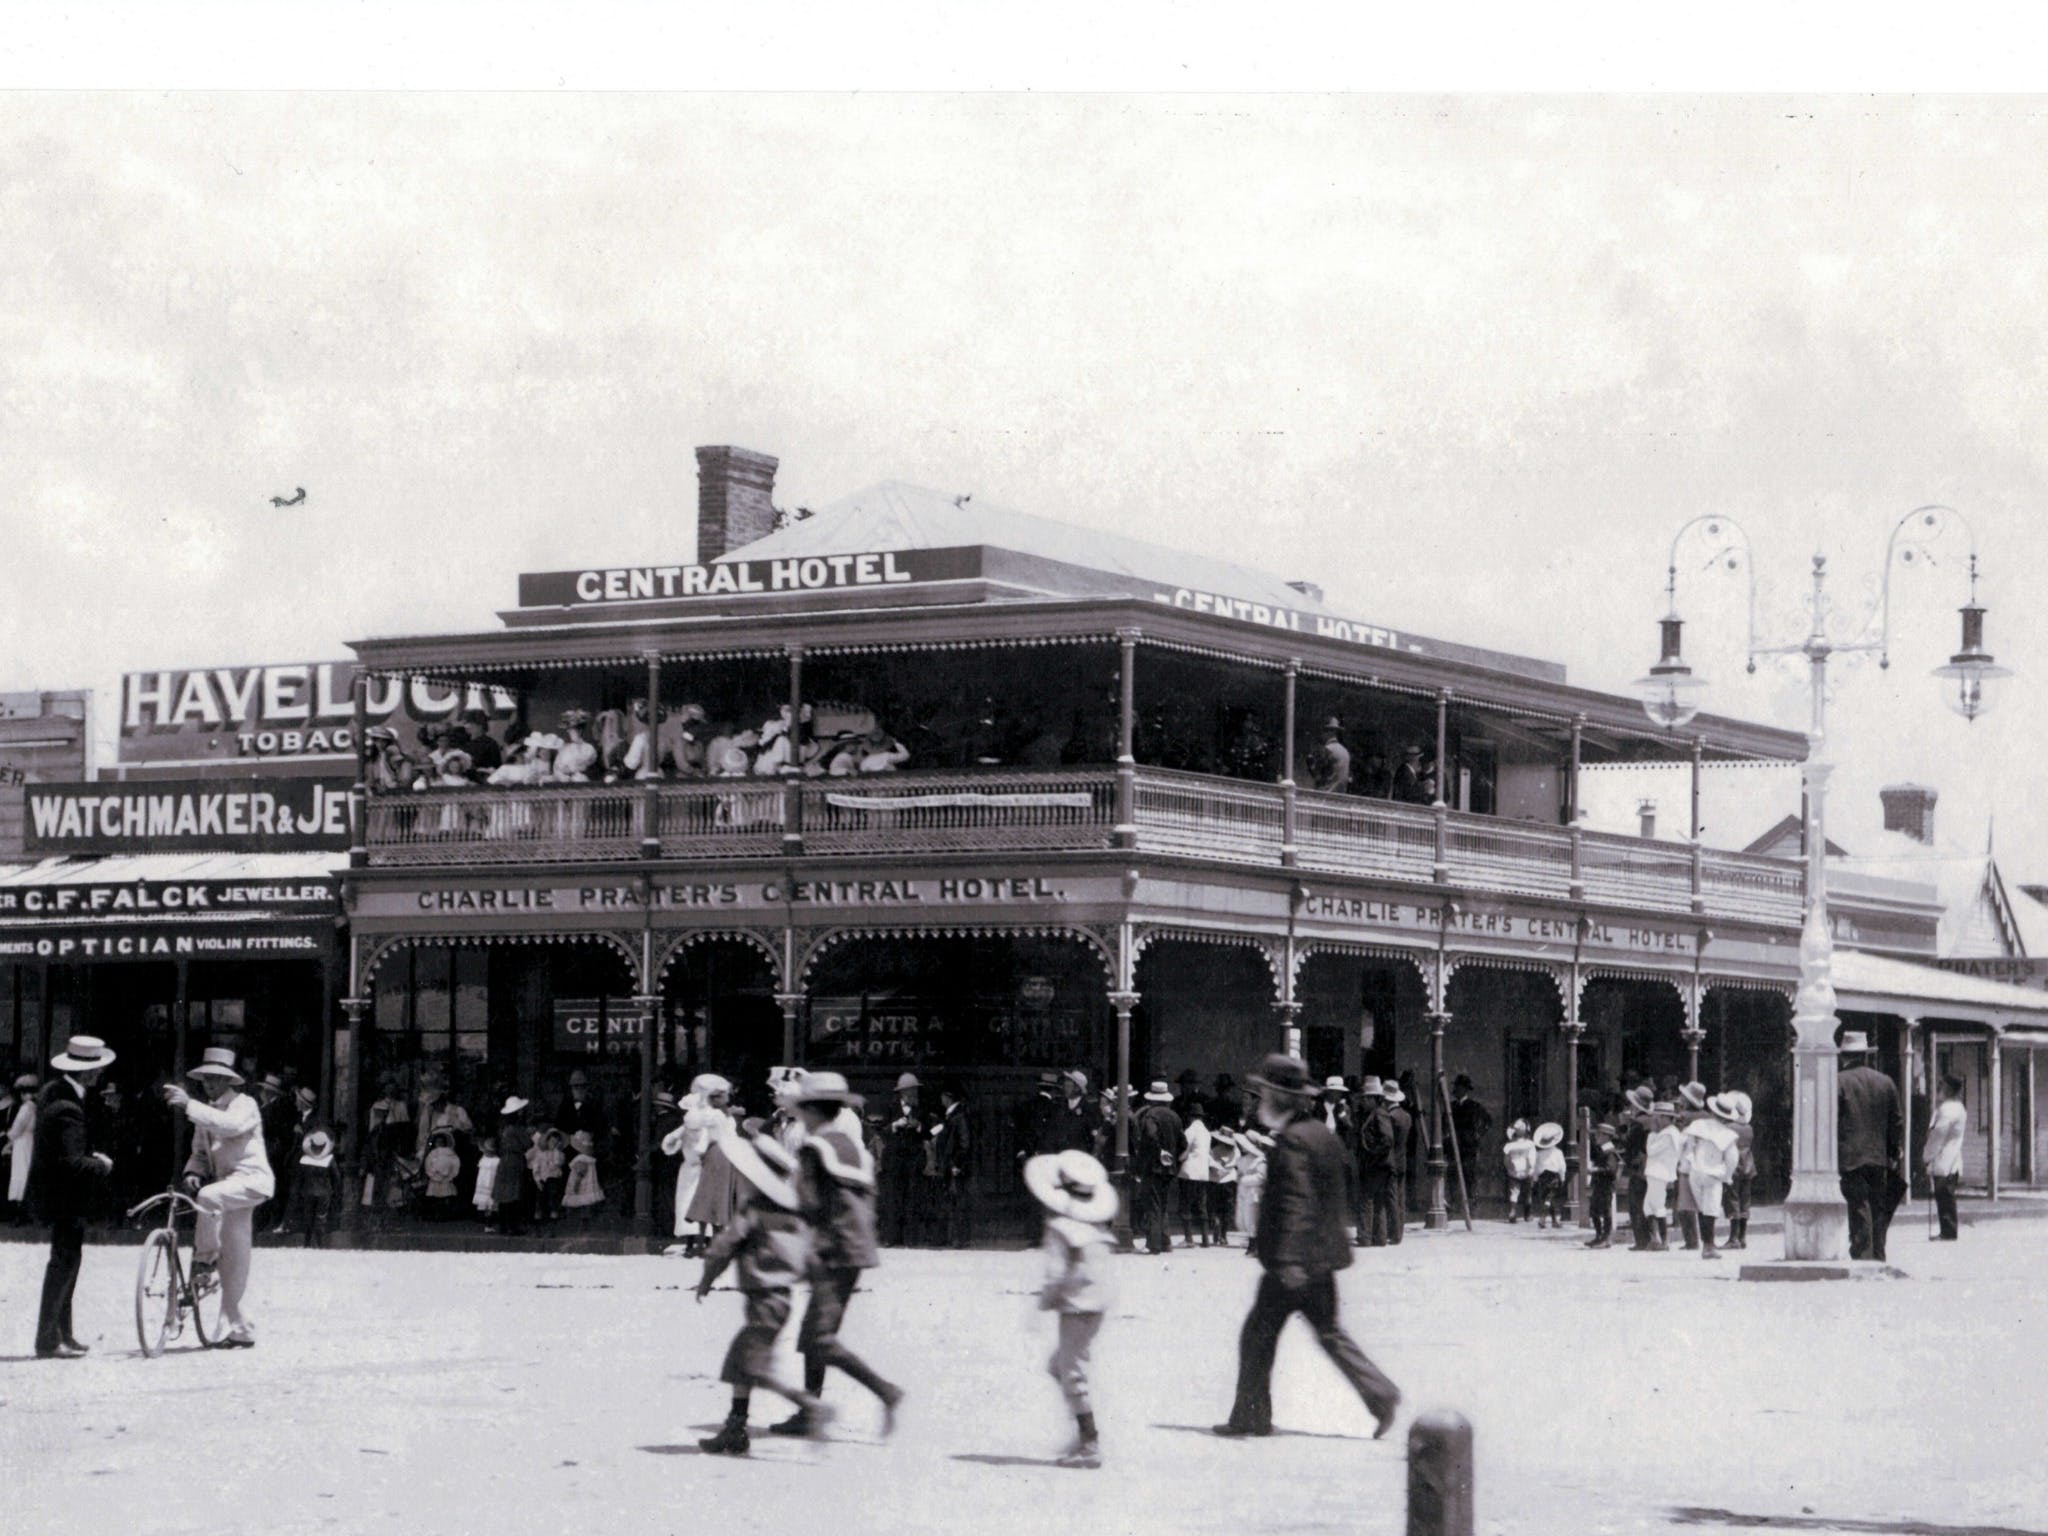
1816,1228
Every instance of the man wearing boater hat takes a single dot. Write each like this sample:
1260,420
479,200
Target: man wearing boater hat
229,1175
835,1189
63,1170
1301,1244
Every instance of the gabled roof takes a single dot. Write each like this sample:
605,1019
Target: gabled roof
1782,841
895,515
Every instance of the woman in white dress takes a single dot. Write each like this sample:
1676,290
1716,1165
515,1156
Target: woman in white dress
21,1139
704,1111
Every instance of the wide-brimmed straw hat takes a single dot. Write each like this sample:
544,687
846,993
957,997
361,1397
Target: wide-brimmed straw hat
1391,1093
1369,1087
1334,1085
1640,1099
1853,1041
1722,1106
1071,1184
216,1061
827,1088
318,1149
907,1082
513,1105
763,1163
1282,1073
583,1141
1159,1092
1549,1134
1694,1094
85,1053
1743,1107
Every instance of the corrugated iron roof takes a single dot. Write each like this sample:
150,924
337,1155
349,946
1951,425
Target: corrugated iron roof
895,515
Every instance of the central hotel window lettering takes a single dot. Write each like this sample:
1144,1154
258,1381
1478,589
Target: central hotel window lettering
1026,1026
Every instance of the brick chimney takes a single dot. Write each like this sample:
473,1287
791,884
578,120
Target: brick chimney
1909,808
1646,816
735,499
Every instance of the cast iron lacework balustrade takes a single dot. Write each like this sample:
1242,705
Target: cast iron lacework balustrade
1022,810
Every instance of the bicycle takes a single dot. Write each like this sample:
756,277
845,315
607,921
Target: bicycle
166,1291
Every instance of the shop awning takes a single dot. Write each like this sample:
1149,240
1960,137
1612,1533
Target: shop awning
1880,984
214,906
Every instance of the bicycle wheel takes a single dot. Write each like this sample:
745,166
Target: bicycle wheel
156,1292
203,1289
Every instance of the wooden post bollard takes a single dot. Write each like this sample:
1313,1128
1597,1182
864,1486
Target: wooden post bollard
1440,1475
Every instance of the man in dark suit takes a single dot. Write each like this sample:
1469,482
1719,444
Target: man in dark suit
1157,1142
64,1177
1390,1216
953,1162
1301,1244
1870,1130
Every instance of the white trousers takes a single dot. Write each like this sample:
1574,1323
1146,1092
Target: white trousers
1706,1192
1656,1197
226,1231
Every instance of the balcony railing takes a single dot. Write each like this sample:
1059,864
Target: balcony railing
1072,810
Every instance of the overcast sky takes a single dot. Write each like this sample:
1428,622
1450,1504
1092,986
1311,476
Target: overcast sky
1468,362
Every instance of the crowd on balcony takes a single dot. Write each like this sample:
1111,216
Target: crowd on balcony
825,740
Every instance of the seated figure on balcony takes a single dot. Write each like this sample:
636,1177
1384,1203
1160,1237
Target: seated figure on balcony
387,768
875,751
484,751
781,747
1415,780
1331,770
731,753
524,762
679,739
609,733
452,770
577,757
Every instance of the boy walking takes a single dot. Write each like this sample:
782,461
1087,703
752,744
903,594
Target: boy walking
835,1189
767,1243
1079,1205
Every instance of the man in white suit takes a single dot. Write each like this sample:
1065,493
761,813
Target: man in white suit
229,1175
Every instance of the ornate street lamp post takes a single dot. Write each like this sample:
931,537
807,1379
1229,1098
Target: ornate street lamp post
1816,1217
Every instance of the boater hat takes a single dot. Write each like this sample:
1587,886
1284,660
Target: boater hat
1549,1134
1722,1106
763,1163
513,1105
1694,1094
827,1088
87,1053
26,1081
1370,1087
214,1061
1071,1184
1853,1040
1640,1099
1335,1085
1159,1093
1284,1074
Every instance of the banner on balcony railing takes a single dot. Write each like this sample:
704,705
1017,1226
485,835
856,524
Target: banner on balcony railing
1062,799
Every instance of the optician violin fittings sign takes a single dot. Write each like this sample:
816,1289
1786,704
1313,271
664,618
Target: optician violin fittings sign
284,710
274,815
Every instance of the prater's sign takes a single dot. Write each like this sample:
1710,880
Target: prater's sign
274,815
2013,971
296,709
746,578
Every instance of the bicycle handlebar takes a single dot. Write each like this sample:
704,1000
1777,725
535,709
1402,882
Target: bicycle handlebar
175,1196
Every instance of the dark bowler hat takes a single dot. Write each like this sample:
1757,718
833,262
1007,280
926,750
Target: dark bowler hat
1284,1074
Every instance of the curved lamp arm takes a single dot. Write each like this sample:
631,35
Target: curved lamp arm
1735,553
1928,524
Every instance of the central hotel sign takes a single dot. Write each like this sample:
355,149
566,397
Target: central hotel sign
747,578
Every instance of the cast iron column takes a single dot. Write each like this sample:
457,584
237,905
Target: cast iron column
793,770
1125,832
359,792
650,766
1439,1217
1575,1195
1289,854
1441,869
348,1116
649,1008
791,1004
1123,1003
